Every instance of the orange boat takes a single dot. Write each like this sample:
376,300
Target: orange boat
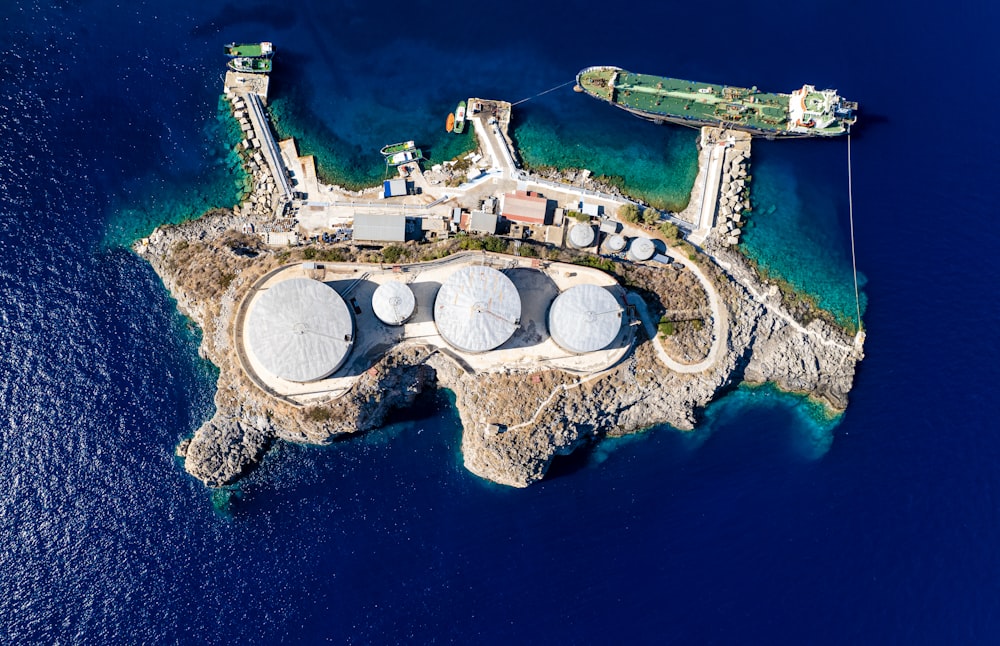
450,124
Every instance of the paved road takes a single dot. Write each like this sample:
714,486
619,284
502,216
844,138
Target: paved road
720,321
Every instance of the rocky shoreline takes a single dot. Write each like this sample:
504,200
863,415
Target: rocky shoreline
209,266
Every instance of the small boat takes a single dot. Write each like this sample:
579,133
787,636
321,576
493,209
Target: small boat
450,123
460,118
250,64
253,50
391,149
404,157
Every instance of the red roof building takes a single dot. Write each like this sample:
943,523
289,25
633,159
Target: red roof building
524,206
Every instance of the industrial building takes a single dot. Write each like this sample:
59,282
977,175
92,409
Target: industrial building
479,222
585,318
477,309
369,227
300,330
395,188
393,302
527,207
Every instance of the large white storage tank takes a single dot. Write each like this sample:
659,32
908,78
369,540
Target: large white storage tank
300,330
641,249
477,309
615,243
581,236
393,302
585,318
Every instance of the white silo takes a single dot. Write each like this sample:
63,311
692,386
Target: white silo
641,249
615,243
581,236
393,302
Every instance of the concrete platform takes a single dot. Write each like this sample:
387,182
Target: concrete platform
529,350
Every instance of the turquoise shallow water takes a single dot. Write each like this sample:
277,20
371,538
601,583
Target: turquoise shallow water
657,164
799,228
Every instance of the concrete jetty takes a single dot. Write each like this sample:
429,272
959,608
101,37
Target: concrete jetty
271,191
719,195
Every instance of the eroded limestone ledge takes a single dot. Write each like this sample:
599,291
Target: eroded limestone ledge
513,423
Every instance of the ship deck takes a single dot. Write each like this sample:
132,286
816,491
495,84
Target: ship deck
680,100
676,97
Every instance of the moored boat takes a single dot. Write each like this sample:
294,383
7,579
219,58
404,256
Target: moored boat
404,156
253,50
449,124
250,65
391,149
806,112
460,118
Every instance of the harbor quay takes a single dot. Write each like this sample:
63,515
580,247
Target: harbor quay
289,205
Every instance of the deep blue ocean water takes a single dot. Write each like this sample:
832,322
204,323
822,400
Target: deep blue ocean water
767,525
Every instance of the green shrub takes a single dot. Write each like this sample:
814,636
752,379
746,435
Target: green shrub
596,262
576,215
629,213
667,328
393,253
319,414
330,255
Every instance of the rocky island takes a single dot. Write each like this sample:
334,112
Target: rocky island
625,317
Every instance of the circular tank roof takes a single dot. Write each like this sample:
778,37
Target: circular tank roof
393,302
300,329
585,318
477,309
615,243
641,249
581,236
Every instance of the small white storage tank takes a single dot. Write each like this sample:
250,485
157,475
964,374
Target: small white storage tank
581,236
477,309
300,330
615,243
641,249
393,302
585,318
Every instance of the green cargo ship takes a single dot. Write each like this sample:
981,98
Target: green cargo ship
806,112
